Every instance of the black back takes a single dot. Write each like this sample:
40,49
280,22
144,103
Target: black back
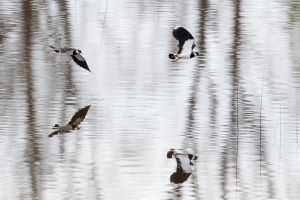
182,35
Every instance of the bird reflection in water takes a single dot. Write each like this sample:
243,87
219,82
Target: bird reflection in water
77,118
183,169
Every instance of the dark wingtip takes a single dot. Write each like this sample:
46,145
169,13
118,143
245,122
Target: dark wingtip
87,68
82,64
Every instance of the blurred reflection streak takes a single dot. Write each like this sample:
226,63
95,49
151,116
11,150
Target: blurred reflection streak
64,15
249,124
238,103
63,29
193,99
2,28
183,169
95,179
271,188
294,26
178,192
232,140
190,139
77,118
32,154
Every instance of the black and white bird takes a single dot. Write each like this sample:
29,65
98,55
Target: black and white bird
183,169
77,118
75,54
186,44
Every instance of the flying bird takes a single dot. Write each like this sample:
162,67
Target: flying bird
186,44
183,169
77,118
75,54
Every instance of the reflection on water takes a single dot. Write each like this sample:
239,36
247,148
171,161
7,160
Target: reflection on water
183,169
77,118
235,106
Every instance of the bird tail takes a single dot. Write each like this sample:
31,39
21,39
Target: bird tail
192,157
55,49
193,54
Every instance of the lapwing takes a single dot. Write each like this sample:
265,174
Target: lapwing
75,54
186,44
77,118
183,169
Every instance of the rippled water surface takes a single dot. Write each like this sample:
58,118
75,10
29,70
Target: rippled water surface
235,106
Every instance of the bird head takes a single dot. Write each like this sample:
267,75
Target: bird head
174,57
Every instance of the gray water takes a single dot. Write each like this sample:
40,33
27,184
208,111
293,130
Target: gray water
235,106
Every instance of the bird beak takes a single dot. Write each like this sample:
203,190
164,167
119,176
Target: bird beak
176,57
173,57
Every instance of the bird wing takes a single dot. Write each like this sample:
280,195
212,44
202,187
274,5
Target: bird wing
66,49
180,46
183,164
183,36
181,33
80,61
62,50
79,116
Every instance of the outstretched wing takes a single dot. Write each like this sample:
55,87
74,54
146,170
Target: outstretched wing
80,61
183,164
62,50
66,49
180,46
182,35
79,116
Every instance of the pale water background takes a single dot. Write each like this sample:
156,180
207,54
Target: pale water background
235,106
